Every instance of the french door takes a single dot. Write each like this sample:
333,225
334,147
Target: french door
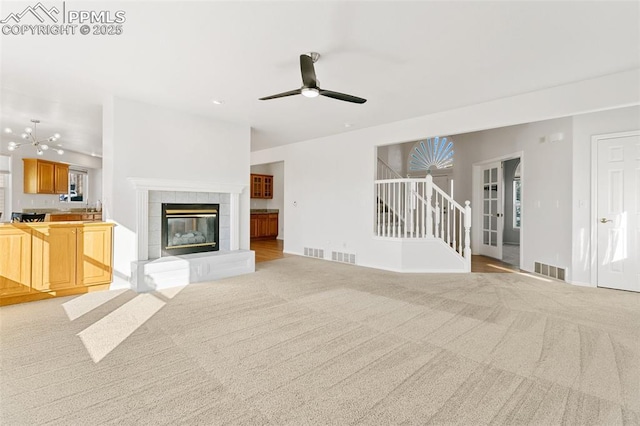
492,217
618,211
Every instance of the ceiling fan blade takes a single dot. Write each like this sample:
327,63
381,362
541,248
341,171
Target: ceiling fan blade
342,96
281,95
308,72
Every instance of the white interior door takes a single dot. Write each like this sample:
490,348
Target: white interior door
618,206
492,217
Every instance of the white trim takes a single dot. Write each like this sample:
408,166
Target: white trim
594,197
476,200
151,184
142,224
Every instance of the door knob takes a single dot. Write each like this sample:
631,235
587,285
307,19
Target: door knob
605,220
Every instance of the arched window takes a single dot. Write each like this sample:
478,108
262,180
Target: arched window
432,153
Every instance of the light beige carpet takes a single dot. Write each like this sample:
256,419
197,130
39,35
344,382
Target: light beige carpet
304,341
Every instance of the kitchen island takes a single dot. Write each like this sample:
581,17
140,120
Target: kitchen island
49,259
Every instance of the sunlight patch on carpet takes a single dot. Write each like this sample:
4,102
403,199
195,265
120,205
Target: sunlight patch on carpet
81,305
106,334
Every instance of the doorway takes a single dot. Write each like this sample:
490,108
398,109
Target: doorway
497,212
512,191
616,210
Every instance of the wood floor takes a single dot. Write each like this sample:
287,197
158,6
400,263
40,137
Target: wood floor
267,250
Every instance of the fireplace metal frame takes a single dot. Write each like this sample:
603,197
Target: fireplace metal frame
189,211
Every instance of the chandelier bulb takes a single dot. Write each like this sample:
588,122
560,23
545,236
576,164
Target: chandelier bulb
40,152
44,147
56,135
28,129
24,136
12,147
60,152
12,143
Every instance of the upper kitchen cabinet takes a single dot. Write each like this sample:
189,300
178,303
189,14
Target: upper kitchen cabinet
261,186
45,177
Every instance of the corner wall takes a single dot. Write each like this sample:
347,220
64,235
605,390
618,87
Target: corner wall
147,141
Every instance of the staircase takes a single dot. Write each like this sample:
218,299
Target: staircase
417,209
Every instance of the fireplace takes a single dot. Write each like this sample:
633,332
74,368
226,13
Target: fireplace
189,228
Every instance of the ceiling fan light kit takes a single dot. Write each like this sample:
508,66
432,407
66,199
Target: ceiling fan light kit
31,135
310,84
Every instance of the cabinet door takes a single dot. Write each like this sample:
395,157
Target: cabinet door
273,225
256,186
61,177
46,178
263,225
94,255
15,261
254,226
54,258
267,187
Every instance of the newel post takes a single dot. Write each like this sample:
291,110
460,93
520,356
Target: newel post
467,233
429,208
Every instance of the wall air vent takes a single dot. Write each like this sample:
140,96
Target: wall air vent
314,252
337,256
550,271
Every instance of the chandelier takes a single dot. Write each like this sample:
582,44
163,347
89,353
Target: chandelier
30,136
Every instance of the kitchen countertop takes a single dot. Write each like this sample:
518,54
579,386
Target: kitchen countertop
79,210
53,224
264,211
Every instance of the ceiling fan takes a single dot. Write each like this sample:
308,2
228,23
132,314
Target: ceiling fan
310,84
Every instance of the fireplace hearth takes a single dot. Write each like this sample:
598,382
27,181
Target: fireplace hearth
189,228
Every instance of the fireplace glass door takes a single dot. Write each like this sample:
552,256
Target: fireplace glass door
189,228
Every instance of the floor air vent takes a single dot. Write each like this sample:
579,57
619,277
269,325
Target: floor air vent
549,271
337,256
314,252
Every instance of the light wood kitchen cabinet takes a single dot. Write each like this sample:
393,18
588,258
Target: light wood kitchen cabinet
61,178
54,258
49,260
264,226
261,186
94,263
15,261
45,177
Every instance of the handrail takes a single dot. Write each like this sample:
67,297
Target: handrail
423,210
448,197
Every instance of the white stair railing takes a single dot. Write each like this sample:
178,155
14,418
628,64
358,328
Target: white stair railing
422,210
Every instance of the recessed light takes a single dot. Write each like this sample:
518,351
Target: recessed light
59,144
8,130
217,102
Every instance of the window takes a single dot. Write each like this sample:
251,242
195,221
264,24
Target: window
78,183
517,198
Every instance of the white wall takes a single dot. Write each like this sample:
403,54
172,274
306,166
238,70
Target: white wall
331,179
584,127
148,141
546,185
277,202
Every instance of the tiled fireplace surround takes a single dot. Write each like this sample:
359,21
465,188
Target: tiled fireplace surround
156,198
151,271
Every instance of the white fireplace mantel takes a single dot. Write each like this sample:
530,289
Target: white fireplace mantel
144,185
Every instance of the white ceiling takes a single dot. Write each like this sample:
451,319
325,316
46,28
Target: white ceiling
408,59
